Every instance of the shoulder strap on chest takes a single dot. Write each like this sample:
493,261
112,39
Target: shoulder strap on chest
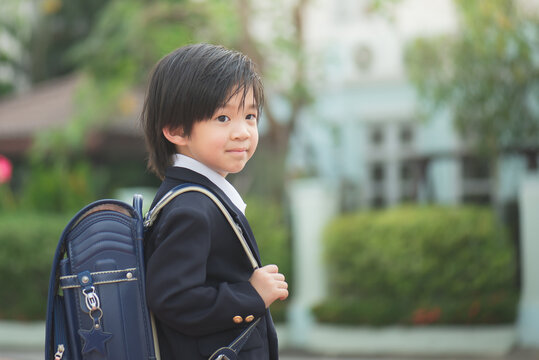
152,215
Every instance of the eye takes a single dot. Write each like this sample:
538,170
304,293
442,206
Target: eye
223,118
251,117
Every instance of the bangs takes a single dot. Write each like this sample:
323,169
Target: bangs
243,89
223,79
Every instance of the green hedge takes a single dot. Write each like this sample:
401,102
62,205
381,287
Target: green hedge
28,242
268,224
419,265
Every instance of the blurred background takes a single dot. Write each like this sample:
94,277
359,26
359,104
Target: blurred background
395,183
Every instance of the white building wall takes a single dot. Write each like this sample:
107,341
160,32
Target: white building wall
356,73
358,79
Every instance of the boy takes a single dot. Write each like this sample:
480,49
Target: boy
200,122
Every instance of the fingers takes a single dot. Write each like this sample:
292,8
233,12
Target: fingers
279,280
282,286
277,276
283,294
272,268
270,284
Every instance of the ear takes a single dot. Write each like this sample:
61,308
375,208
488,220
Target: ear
175,136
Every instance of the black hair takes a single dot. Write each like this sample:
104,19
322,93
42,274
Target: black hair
189,85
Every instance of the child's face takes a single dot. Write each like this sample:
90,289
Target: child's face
227,140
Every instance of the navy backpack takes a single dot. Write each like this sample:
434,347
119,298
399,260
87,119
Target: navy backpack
96,305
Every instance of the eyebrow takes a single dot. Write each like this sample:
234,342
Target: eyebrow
251,106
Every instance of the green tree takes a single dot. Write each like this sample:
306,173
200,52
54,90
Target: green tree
60,25
15,37
487,74
37,36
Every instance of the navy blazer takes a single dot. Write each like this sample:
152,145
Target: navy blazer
197,276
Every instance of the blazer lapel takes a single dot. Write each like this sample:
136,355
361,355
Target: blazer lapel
183,175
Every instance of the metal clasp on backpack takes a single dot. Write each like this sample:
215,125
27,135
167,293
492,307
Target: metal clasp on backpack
91,298
93,304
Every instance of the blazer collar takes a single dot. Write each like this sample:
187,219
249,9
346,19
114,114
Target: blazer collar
182,175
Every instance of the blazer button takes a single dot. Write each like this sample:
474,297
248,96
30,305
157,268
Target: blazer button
237,319
249,318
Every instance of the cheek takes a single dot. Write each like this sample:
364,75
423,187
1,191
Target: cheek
217,141
254,141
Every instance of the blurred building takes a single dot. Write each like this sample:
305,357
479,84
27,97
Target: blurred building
362,131
115,147
50,105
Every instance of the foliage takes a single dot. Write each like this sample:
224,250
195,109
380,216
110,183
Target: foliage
61,25
384,267
487,74
54,186
7,199
380,311
28,242
61,187
96,104
16,38
131,36
267,222
38,34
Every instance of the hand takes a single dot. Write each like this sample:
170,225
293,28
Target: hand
269,284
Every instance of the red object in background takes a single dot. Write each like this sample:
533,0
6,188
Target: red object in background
425,316
6,169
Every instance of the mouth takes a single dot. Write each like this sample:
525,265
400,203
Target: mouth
237,150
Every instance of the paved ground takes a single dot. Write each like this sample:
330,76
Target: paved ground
517,354
25,342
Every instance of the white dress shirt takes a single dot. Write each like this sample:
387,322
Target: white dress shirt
196,166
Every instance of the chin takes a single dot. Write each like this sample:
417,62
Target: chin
235,170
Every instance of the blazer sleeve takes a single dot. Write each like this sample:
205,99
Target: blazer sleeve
176,282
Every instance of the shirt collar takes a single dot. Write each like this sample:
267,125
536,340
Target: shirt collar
196,166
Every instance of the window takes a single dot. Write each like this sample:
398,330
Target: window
408,181
377,172
406,135
479,199
475,168
406,171
378,202
377,136
476,184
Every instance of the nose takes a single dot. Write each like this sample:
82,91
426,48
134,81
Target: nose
240,131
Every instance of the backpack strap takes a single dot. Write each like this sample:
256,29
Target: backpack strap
152,215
